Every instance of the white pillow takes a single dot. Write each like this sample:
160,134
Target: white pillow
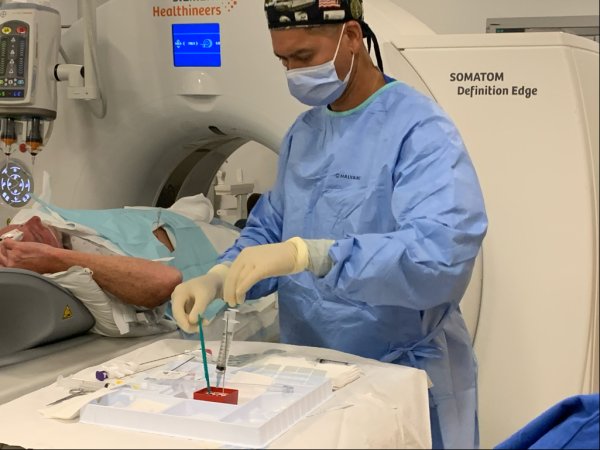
113,317
197,208
258,321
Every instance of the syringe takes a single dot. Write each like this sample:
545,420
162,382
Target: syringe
226,339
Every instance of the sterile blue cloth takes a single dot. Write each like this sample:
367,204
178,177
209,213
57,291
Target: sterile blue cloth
131,230
571,423
391,182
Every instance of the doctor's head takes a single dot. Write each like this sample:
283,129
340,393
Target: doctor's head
34,230
320,44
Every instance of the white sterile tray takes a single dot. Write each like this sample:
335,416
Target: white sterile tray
262,414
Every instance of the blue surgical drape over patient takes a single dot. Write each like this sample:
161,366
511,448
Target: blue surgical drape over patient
392,184
131,230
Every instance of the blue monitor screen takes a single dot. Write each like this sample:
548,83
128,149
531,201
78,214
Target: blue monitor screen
197,45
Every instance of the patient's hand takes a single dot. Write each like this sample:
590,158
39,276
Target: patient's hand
26,255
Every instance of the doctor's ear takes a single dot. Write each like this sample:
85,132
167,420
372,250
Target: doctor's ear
354,32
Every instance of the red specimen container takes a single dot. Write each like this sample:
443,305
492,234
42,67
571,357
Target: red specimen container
218,395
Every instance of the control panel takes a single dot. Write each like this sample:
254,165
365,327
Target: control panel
14,45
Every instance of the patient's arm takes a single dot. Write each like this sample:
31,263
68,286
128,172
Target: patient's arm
133,280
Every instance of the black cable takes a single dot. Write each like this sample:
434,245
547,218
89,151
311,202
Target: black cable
371,38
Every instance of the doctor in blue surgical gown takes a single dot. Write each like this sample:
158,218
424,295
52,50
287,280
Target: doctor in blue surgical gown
372,228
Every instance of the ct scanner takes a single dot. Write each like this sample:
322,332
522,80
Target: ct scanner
526,105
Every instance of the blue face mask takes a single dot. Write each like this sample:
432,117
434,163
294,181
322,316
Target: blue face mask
318,85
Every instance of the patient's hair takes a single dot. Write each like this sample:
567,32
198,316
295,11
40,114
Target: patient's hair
250,203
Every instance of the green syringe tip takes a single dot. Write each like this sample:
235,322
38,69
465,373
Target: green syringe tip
204,359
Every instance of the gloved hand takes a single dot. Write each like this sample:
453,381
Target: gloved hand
263,261
192,297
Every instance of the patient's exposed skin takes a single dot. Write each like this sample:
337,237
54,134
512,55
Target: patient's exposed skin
133,280
34,230
163,237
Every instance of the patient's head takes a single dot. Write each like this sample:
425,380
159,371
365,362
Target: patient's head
35,231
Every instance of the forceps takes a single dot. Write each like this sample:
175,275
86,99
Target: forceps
72,393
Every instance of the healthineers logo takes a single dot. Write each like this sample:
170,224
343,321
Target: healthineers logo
227,4
196,8
230,4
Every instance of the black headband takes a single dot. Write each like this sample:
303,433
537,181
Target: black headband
304,13
283,14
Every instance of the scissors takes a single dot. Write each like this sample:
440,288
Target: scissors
72,393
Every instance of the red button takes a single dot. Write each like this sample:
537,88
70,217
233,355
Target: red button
21,30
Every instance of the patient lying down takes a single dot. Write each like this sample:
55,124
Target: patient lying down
45,249
123,285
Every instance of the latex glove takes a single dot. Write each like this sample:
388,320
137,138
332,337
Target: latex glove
193,296
256,263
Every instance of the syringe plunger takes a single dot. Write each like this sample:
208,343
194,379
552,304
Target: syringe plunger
226,339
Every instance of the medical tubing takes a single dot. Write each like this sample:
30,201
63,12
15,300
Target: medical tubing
89,17
164,357
370,35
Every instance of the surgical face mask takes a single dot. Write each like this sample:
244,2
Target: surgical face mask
318,85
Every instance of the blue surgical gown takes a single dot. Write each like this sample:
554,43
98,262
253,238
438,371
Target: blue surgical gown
572,423
392,184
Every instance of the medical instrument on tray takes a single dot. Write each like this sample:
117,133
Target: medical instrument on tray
73,383
77,387
204,361
72,393
179,365
247,358
226,339
116,369
86,387
187,352
131,368
331,361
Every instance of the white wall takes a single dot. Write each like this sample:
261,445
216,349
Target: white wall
67,10
469,16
